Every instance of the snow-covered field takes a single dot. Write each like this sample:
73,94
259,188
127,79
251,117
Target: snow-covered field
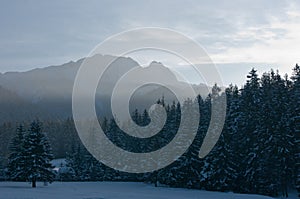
108,190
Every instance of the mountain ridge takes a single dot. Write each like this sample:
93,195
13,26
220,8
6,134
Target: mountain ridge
48,91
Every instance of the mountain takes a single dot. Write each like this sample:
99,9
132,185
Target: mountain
47,92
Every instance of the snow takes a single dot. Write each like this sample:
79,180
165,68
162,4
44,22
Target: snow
58,163
108,190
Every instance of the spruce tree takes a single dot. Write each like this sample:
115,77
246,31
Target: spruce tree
295,121
224,157
37,155
16,161
75,161
249,133
219,168
275,139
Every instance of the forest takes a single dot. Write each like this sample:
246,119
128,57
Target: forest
258,151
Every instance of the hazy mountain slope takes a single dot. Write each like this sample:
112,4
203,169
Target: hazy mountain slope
13,107
47,92
48,89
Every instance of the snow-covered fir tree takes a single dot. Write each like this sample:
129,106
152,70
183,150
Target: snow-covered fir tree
248,132
220,165
16,159
31,155
295,121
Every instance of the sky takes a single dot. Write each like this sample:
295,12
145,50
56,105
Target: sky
237,35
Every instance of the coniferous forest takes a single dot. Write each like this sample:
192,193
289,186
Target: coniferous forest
258,151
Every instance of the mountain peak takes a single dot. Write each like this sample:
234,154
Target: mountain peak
156,63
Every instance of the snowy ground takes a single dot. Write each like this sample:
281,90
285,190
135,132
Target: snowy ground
108,190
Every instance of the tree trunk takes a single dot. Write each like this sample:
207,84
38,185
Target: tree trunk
33,183
155,179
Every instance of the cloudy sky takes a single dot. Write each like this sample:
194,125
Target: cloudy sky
237,35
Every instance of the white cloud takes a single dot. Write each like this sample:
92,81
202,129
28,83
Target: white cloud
277,42
256,31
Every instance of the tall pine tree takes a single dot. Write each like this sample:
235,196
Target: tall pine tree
295,121
31,155
16,161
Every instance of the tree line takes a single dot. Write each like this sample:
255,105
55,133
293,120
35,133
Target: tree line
258,150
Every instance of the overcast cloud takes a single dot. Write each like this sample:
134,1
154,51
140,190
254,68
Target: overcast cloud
260,33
